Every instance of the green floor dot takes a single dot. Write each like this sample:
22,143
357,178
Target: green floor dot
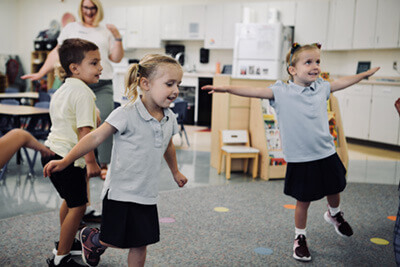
379,241
221,209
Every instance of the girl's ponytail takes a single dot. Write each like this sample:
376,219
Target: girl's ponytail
132,79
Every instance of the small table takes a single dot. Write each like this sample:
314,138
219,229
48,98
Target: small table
32,119
20,96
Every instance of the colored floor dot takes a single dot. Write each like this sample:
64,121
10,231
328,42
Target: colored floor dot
221,209
289,206
379,241
392,218
263,251
167,220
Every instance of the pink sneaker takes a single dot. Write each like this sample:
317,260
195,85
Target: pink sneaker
342,227
300,249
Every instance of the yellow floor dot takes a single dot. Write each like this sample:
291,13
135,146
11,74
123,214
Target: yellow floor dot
221,209
289,206
392,218
379,241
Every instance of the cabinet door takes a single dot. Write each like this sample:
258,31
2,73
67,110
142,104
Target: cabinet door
143,28
220,20
311,22
364,24
341,19
287,11
171,22
384,125
356,111
387,24
193,22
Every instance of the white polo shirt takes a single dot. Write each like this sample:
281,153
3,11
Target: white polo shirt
303,120
138,149
71,107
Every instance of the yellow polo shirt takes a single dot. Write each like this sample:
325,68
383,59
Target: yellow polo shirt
71,107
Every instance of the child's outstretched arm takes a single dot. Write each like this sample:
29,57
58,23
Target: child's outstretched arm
85,145
92,168
346,81
170,158
257,92
12,141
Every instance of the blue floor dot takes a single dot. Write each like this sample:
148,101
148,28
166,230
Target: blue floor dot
263,251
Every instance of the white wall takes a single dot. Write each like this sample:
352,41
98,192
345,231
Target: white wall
22,20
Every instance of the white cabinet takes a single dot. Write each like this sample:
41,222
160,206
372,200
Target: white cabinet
143,27
356,110
341,19
286,9
311,21
384,120
364,24
220,20
387,24
182,22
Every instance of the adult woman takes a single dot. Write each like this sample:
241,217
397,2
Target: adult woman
109,41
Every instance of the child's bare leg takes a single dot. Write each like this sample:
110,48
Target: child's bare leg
69,228
63,212
300,214
137,256
333,200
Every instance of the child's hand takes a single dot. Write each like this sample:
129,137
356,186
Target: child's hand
53,166
180,179
214,89
397,105
371,72
92,170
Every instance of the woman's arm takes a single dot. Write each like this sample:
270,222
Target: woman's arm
347,81
117,51
51,60
257,92
85,145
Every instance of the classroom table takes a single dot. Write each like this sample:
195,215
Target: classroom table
32,119
29,95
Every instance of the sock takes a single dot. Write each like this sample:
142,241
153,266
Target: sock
299,232
58,258
96,240
333,211
89,209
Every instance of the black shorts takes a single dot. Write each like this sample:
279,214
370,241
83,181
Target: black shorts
313,180
70,183
128,224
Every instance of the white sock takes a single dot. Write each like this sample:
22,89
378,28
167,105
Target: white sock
89,209
333,211
58,258
299,232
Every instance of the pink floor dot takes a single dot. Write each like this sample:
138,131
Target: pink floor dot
167,220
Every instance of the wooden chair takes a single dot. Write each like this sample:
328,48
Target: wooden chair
235,144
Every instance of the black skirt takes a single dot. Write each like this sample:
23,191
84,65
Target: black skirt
313,180
128,224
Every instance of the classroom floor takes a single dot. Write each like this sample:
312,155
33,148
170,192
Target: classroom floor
22,194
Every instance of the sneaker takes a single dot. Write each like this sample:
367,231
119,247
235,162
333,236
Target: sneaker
90,252
76,249
92,216
66,261
300,249
342,227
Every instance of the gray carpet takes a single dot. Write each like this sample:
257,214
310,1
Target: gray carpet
256,218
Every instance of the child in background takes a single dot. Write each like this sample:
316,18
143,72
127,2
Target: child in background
73,115
143,133
314,169
12,141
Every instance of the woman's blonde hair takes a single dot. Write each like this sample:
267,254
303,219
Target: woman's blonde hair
146,68
99,14
292,57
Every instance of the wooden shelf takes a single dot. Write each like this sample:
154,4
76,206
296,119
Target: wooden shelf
230,112
37,60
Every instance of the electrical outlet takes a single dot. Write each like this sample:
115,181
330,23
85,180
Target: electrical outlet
395,65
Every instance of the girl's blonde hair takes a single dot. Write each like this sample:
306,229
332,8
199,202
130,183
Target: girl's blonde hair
146,68
99,14
292,57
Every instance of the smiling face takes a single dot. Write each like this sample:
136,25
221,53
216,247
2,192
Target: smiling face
89,70
89,12
163,88
307,68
